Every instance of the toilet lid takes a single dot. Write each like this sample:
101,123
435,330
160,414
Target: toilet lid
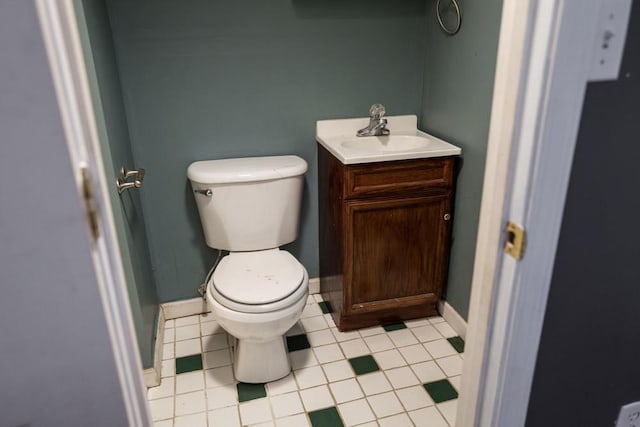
259,277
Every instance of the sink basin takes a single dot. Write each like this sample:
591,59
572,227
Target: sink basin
386,144
404,142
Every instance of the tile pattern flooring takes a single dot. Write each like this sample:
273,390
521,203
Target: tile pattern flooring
405,374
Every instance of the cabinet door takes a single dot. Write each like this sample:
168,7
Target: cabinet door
395,252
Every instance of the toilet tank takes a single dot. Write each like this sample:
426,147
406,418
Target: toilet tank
253,202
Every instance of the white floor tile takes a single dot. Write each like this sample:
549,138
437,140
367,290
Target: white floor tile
187,332
168,351
415,353
295,330
193,420
374,330
322,337
169,335
255,411
164,423
214,342
191,403
401,377
451,365
436,319
378,343
283,385
310,299
346,391
427,333
354,348
428,417
400,420
448,410
446,330
389,359
344,336
286,404
336,371
416,322
211,328
265,424
428,372
302,359
374,383
316,398
190,381
402,337
356,412
328,353
165,389
310,377
329,319
171,323
385,404
315,323
312,310
317,297
168,368
440,348
414,398
216,359
455,382
188,347
218,376
207,317
220,397
161,409
299,420
189,320
224,417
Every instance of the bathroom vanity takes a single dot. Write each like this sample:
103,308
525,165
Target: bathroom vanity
385,219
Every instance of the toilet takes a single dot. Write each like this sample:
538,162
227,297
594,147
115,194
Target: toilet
250,207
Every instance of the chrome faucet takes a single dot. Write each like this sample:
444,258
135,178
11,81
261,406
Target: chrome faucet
377,123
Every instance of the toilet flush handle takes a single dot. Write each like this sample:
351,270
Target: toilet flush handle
206,193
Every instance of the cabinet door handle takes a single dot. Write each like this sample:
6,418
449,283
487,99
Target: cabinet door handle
447,217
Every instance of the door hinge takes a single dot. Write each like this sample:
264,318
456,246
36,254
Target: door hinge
90,203
515,241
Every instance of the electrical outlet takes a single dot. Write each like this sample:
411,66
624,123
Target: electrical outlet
629,415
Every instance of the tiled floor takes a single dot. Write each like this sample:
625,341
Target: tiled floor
405,374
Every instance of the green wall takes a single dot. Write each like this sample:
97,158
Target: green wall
111,121
215,79
458,90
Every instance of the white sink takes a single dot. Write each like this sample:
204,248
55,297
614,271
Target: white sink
404,142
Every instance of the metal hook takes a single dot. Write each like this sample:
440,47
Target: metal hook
458,18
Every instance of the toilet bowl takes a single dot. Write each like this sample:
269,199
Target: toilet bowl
258,320
250,207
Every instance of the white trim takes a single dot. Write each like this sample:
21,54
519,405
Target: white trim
184,307
314,285
152,375
453,318
60,33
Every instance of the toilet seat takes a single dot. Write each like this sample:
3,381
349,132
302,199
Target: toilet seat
258,282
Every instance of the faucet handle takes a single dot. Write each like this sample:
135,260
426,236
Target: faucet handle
376,111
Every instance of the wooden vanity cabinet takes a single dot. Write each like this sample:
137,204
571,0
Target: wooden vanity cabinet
384,238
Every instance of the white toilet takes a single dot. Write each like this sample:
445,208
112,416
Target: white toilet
250,207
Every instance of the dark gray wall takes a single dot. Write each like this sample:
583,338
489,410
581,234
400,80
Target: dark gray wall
458,91
588,362
215,79
56,363
111,121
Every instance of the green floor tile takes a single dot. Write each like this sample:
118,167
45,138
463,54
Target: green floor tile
441,391
394,326
364,364
250,391
325,307
188,363
328,417
298,342
457,343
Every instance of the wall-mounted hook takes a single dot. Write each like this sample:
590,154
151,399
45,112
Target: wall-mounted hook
125,174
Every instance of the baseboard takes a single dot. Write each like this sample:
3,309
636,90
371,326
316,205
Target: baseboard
314,286
152,375
453,318
183,308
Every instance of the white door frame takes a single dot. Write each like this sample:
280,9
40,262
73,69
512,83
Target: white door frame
544,60
541,74
62,41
